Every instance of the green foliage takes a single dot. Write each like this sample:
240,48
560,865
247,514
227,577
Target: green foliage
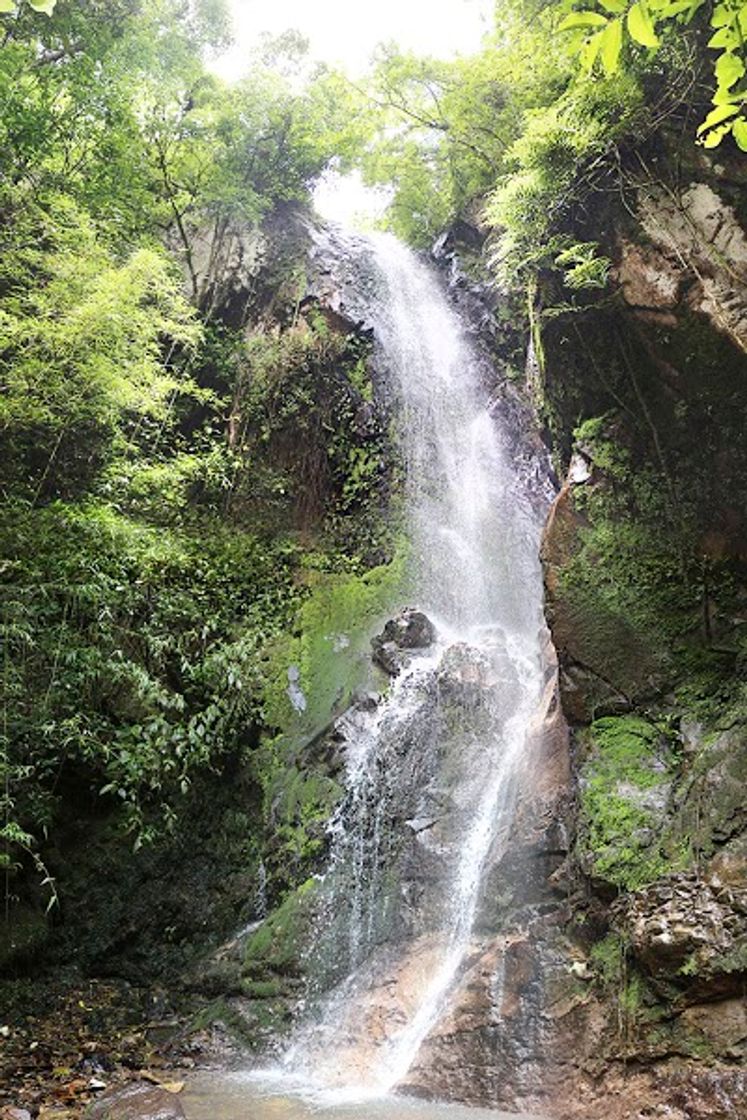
583,267
304,421
9,7
134,654
603,37
548,170
443,128
82,339
608,957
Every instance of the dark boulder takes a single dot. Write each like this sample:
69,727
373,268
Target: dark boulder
410,630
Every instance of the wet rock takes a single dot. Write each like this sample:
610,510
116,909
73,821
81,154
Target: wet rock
410,630
421,824
683,930
366,701
136,1101
605,663
470,680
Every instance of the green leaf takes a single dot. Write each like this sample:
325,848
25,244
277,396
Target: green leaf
664,11
714,138
7,6
729,69
614,7
640,26
675,8
739,132
723,96
46,6
725,38
582,19
717,115
590,52
611,45
723,15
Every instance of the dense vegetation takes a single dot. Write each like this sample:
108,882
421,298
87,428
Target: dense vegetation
170,489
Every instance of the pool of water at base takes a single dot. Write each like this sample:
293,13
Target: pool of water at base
247,1096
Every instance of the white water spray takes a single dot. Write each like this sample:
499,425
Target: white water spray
450,737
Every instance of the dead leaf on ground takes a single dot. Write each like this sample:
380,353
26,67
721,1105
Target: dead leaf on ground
154,1079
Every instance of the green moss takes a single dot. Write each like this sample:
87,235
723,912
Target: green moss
608,959
275,948
263,989
329,646
243,1029
298,805
619,822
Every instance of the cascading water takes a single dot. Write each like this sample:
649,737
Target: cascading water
433,769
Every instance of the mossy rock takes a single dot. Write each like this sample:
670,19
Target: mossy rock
712,812
625,782
328,656
276,949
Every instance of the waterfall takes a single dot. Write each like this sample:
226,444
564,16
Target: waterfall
433,770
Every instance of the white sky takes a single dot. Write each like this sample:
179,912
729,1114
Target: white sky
347,31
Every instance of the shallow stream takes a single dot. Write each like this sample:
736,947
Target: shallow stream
244,1096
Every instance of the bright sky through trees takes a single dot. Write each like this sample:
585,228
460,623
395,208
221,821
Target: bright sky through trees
345,32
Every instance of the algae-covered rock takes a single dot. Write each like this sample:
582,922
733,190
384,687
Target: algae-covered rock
276,948
625,781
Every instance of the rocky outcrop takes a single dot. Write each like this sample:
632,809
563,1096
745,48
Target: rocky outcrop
697,255
244,273
688,933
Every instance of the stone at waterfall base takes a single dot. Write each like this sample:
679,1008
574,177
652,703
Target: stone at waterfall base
136,1101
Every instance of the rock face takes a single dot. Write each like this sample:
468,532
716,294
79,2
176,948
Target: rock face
690,933
645,570
497,1044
